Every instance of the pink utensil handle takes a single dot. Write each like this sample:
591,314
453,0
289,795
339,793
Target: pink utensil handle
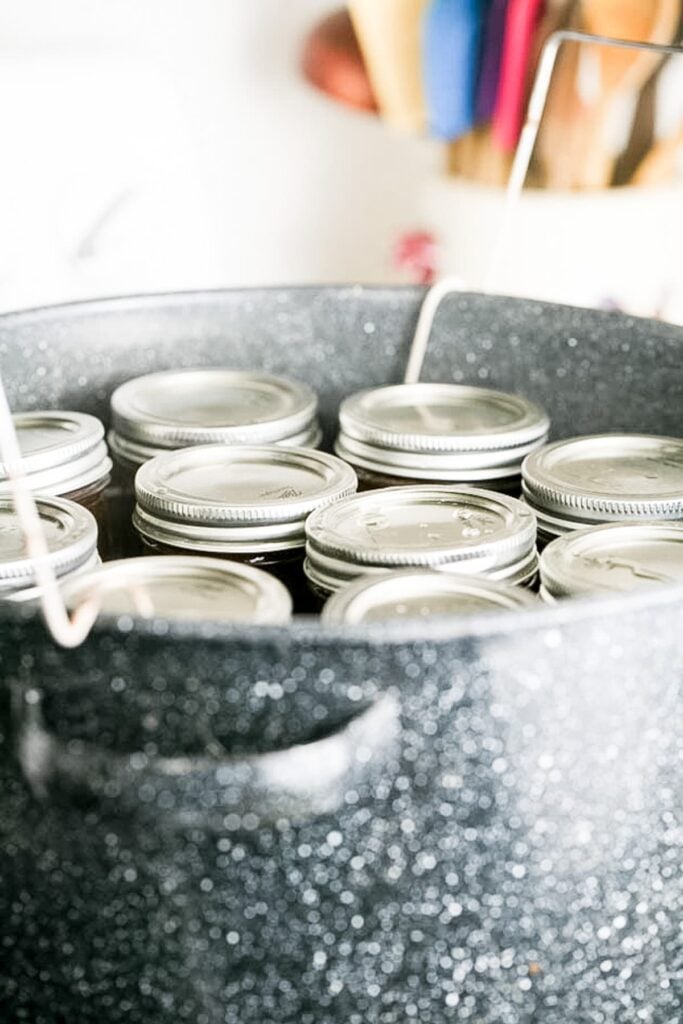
522,19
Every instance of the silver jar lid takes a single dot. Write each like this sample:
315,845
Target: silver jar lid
62,451
463,530
447,431
470,467
71,535
183,588
177,408
421,594
606,478
135,453
616,557
236,499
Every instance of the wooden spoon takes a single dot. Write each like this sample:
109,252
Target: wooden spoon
663,164
388,32
642,134
620,76
563,117
475,158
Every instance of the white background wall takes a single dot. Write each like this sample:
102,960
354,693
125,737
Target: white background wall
160,144
151,144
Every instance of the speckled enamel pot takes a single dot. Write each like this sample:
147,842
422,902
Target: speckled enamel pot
475,821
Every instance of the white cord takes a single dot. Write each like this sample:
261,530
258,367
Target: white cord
428,309
65,631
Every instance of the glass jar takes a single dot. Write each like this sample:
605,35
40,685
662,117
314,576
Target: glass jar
181,408
248,504
65,455
71,534
613,558
183,588
603,478
421,594
469,531
369,480
437,434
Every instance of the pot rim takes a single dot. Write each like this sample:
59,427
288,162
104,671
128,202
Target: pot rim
305,628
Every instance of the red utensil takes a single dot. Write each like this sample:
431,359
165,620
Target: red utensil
521,22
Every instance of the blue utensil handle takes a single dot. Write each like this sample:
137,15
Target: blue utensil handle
451,37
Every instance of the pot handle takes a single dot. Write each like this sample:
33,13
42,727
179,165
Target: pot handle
297,783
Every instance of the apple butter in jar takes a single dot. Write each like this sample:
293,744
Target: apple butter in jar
248,504
174,409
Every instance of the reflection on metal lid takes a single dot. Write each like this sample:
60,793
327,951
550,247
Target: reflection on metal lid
440,431
442,418
70,532
615,557
607,477
421,594
62,451
176,408
185,588
468,530
237,494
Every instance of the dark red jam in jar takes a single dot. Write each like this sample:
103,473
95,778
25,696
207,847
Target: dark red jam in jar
71,535
183,588
174,409
248,504
65,455
181,408
439,434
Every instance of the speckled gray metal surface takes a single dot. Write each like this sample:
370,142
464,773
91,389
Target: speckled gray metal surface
485,823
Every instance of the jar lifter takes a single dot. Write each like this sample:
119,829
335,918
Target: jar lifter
71,631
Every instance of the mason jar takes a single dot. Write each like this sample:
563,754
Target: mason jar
180,408
65,455
183,587
603,478
248,504
439,433
612,559
421,594
470,531
70,532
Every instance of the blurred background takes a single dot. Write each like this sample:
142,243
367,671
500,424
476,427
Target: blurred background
172,144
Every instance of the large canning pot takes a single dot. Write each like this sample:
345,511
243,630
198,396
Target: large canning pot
473,820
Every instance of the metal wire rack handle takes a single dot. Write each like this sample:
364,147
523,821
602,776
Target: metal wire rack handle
517,179
71,631
66,631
